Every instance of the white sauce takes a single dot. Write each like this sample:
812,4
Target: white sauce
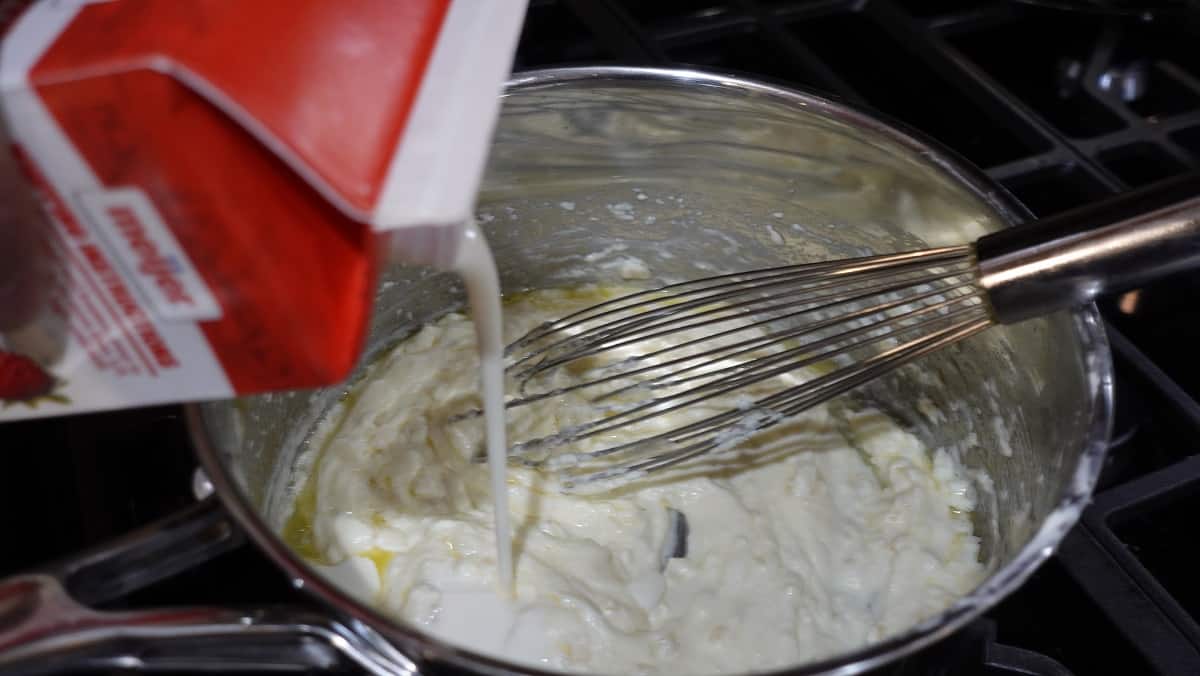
842,530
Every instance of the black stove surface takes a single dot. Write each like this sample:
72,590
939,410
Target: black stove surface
1061,106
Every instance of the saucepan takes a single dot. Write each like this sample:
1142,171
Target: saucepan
731,174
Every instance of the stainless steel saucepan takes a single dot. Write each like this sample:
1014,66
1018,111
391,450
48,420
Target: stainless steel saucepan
691,174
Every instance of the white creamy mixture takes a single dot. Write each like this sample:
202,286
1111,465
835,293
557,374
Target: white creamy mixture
857,533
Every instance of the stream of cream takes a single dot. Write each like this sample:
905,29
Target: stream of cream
478,270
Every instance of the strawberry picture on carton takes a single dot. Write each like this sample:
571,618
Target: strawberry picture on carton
24,381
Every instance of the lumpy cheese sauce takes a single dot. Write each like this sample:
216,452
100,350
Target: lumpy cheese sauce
842,530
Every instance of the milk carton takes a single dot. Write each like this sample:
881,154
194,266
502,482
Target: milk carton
224,179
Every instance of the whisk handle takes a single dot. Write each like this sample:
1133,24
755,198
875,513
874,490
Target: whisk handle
1068,260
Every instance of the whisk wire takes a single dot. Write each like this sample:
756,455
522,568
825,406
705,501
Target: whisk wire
604,308
659,406
725,286
620,336
689,345
804,397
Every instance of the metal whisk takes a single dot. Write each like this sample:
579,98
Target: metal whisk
683,349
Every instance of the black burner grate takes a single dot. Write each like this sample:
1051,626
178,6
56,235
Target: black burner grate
1040,98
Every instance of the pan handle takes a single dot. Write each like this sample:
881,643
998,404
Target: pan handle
171,545
46,628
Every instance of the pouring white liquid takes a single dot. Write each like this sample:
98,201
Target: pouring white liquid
477,268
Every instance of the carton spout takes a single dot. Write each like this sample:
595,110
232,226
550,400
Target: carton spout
432,245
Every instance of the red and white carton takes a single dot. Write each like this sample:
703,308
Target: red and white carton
222,177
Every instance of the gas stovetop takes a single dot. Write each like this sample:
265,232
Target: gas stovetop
1062,106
